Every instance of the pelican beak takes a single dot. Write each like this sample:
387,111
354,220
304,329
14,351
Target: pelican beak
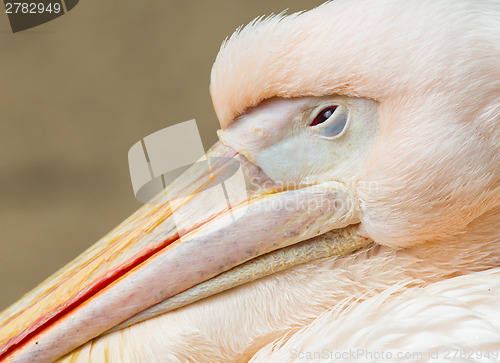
220,215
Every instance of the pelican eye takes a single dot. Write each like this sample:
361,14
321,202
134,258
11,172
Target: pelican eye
331,121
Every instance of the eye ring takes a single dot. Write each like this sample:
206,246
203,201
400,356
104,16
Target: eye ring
331,121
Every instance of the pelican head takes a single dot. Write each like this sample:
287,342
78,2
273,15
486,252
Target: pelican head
358,128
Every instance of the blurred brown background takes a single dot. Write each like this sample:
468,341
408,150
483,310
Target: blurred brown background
77,93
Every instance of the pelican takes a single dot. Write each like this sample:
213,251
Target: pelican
367,137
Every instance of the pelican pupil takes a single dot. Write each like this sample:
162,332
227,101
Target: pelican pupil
324,115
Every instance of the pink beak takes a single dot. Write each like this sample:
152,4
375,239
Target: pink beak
214,218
